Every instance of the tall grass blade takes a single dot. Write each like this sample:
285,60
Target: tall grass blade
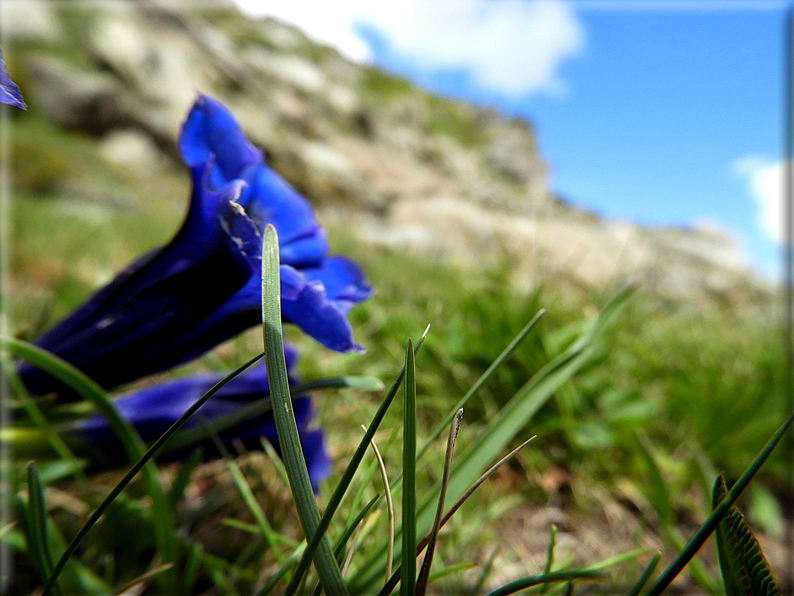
699,538
284,415
350,470
137,466
743,566
408,580
424,573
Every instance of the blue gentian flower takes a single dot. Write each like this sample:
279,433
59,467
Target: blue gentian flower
204,287
154,409
9,92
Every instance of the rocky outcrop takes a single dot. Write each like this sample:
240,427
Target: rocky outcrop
394,164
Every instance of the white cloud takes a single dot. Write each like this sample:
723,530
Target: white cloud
764,179
513,47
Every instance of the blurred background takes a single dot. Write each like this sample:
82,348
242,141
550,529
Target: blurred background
481,160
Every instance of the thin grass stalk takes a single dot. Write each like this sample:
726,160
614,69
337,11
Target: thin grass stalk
284,416
484,378
389,506
395,577
137,466
424,573
347,476
699,538
646,575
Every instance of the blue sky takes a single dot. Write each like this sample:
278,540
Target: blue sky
655,112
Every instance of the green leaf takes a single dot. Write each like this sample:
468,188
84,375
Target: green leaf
745,570
284,415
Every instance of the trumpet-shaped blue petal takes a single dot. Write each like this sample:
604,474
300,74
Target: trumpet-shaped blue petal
9,92
154,409
204,287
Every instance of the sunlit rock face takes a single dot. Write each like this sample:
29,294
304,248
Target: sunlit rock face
372,153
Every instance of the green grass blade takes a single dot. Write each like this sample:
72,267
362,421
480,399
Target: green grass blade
408,580
341,543
744,568
484,378
133,446
288,437
699,538
646,575
546,578
137,467
352,467
424,573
